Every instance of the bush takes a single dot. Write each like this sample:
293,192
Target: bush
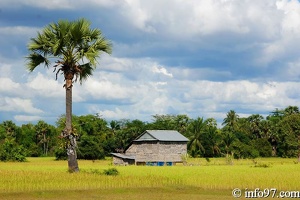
11,151
111,172
108,172
89,148
60,154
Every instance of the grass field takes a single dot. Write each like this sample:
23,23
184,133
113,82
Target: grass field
44,178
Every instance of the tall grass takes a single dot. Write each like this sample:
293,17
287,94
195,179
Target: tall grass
45,174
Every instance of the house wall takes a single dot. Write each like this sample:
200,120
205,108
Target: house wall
157,151
131,151
118,161
122,161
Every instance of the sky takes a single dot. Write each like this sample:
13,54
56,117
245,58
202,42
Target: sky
201,58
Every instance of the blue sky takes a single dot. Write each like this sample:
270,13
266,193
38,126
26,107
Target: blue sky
195,57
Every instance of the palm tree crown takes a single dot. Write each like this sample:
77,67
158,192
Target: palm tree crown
73,43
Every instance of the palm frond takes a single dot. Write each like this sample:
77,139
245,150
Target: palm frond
86,71
35,60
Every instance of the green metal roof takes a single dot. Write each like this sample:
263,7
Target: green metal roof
162,135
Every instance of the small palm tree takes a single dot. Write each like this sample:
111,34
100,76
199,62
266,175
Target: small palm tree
231,120
76,47
196,130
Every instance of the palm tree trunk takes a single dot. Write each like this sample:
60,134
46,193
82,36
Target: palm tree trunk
71,149
44,141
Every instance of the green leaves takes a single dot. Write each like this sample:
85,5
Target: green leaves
36,59
73,43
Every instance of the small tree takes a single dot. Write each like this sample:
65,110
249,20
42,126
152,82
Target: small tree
11,151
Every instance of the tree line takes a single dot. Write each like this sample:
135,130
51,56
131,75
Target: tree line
277,135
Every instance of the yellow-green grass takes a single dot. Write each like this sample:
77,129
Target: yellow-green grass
44,178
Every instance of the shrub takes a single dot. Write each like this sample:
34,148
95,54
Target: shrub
11,151
108,172
259,164
89,148
111,172
60,154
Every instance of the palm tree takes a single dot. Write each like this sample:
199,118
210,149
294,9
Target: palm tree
42,134
255,125
196,130
231,121
77,47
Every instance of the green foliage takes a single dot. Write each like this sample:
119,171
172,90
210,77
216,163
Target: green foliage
11,151
261,164
242,150
263,147
60,153
289,134
71,42
251,137
111,172
89,147
107,172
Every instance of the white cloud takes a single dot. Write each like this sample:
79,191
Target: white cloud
288,39
18,105
116,113
105,88
161,70
9,86
20,31
45,86
27,118
54,4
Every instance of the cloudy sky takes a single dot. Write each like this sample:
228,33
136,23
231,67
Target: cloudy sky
195,57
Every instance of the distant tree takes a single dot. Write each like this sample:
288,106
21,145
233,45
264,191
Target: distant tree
114,125
77,47
291,110
255,125
196,130
181,123
228,139
90,148
244,150
289,136
263,147
275,115
211,142
163,122
11,128
28,140
12,151
231,121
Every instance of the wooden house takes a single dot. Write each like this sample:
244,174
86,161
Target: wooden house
154,147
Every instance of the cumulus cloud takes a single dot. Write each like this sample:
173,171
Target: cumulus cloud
27,118
45,86
18,105
108,89
116,113
9,86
